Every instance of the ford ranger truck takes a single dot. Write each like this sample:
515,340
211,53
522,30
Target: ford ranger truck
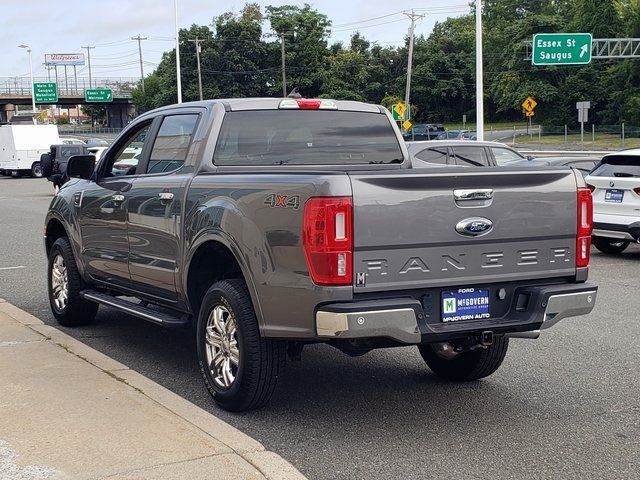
270,224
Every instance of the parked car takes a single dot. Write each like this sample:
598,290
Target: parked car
71,141
270,224
615,185
453,135
583,164
96,142
426,131
461,153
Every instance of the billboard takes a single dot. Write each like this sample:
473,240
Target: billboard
64,59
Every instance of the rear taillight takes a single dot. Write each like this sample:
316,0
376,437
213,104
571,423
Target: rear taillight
585,226
307,104
327,238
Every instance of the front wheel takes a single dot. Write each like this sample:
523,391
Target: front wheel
36,170
240,368
467,366
610,245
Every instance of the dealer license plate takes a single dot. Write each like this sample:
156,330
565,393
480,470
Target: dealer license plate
614,195
465,304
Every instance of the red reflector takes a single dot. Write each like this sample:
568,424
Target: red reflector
327,238
585,226
306,104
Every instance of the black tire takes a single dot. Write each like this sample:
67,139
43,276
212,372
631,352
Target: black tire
36,170
466,366
610,245
76,311
259,360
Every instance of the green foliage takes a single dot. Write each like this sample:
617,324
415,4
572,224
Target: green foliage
240,59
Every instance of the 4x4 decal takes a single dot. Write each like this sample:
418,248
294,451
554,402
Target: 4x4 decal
282,201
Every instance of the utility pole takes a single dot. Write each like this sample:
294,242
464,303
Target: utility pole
139,39
479,75
88,47
198,43
407,94
178,78
284,72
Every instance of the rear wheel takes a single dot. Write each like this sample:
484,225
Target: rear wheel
610,245
36,170
240,368
65,285
467,366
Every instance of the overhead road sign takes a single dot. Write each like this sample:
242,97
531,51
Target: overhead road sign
529,104
46,92
98,95
561,49
63,59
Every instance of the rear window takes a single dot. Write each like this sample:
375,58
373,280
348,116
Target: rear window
306,137
618,166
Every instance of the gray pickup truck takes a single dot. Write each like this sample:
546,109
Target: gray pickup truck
269,224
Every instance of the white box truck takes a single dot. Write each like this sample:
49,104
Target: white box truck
21,147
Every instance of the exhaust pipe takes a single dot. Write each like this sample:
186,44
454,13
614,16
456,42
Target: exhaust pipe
532,334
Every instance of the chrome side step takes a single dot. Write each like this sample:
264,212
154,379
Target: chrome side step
153,316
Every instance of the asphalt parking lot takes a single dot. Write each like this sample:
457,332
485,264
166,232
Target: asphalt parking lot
564,406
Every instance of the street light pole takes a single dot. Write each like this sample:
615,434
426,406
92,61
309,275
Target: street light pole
198,42
479,75
413,16
33,93
283,66
178,79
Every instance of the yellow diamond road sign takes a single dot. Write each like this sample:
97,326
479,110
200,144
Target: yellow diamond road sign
407,124
400,108
529,104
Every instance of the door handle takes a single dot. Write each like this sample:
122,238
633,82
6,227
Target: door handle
117,198
473,194
165,197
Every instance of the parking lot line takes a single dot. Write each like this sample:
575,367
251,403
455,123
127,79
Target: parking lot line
13,268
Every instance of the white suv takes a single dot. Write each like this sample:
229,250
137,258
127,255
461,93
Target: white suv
615,184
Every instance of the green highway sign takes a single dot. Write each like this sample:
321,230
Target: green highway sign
45,92
561,49
98,95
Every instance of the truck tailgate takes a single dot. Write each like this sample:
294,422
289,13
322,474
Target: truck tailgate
423,228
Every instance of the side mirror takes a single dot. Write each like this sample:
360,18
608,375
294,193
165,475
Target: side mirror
81,166
530,157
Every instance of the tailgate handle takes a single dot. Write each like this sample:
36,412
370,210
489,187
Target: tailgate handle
475,194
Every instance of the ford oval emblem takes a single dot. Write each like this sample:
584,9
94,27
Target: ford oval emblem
474,227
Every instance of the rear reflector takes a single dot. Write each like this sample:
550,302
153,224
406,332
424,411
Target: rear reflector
327,238
585,227
307,104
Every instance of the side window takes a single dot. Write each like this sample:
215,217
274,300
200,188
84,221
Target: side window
171,145
433,155
504,155
468,156
125,160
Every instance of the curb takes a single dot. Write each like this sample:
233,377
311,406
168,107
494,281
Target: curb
270,464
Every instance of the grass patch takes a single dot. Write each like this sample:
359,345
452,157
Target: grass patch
602,141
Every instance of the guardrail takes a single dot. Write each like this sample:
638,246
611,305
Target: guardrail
565,153
80,130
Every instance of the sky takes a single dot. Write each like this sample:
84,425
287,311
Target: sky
64,26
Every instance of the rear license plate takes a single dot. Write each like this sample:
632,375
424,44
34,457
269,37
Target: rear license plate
614,195
465,304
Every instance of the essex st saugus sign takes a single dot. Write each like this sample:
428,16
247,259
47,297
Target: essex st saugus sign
561,49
